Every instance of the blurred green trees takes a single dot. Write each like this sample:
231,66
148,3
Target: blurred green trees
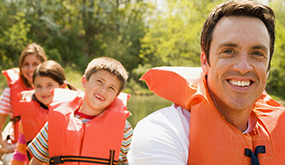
138,33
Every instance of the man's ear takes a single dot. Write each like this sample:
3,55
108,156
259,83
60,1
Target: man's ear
204,63
83,81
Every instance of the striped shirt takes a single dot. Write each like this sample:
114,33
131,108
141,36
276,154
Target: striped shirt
39,145
5,102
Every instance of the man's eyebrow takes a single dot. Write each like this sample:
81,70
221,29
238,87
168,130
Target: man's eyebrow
262,47
229,44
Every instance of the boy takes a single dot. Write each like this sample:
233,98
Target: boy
87,127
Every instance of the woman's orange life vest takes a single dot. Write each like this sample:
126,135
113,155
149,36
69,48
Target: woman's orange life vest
16,84
73,142
212,139
33,116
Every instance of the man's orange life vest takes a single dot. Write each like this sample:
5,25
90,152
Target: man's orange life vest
97,141
212,139
33,116
16,84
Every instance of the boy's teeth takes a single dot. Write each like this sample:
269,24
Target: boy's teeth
240,83
99,97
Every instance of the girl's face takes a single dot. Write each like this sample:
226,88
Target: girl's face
30,63
43,86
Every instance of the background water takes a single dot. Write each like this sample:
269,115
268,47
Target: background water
141,106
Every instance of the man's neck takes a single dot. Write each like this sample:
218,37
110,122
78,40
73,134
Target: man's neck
238,120
237,117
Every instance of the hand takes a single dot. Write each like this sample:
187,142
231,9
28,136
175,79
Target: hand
7,148
11,147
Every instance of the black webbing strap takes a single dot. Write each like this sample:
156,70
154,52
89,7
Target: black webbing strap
28,153
62,159
254,156
15,119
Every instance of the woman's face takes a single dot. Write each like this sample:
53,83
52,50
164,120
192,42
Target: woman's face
30,63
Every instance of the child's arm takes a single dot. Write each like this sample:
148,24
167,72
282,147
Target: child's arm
128,133
35,162
20,157
39,145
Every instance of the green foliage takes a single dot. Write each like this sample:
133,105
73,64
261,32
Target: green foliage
173,36
276,79
137,33
13,39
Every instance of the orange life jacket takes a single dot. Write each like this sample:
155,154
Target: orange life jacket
72,142
212,139
33,118
16,84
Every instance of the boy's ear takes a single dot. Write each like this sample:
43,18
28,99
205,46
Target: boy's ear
83,81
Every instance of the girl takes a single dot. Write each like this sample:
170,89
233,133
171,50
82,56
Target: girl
18,79
34,104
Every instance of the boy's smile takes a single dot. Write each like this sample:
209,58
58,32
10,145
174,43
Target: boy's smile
100,91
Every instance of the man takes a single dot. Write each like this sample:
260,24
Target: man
224,116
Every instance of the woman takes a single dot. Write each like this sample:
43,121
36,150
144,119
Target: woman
18,79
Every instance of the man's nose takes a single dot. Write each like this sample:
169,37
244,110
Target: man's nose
243,64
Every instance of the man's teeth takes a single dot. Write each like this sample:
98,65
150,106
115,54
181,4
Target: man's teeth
240,83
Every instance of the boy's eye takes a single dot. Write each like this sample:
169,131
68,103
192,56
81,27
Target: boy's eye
100,81
112,88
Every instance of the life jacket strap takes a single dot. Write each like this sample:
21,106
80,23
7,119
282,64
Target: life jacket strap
62,159
254,156
15,119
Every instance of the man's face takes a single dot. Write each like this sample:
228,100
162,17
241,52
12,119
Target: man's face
239,59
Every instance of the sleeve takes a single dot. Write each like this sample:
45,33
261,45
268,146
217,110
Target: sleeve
162,138
20,156
39,145
128,133
5,102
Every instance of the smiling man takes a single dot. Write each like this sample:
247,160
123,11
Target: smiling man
223,116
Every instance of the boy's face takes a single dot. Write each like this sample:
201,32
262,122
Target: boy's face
100,91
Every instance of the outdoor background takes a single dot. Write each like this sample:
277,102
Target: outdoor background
140,33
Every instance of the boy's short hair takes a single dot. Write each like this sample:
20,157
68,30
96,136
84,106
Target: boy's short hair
109,64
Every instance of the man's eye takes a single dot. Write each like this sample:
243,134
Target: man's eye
258,53
228,51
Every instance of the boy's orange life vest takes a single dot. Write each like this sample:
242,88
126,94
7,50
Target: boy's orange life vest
16,84
33,117
99,140
212,139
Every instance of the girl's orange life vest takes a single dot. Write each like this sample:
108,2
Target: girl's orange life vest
16,84
33,116
212,139
72,142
